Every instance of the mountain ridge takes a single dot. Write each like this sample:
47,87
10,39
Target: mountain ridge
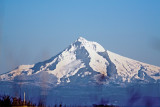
85,62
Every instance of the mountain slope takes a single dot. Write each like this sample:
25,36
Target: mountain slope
85,62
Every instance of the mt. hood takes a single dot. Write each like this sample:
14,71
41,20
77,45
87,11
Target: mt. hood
85,62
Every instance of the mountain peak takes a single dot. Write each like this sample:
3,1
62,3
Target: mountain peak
89,44
81,39
82,62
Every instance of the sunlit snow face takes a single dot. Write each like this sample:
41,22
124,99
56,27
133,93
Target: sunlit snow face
93,57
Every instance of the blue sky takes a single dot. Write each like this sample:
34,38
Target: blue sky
35,30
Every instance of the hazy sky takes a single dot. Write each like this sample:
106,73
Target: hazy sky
35,30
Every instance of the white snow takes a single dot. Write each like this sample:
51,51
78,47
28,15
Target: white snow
91,45
69,62
97,62
16,72
127,68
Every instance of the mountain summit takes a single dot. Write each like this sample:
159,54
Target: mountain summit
85,62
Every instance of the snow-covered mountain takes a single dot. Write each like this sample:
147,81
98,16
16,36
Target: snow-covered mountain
85,62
